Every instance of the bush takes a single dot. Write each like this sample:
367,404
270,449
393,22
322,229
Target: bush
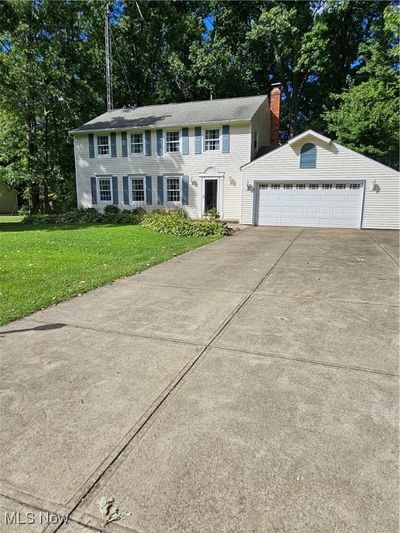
212,214
88,216
111,210
178,223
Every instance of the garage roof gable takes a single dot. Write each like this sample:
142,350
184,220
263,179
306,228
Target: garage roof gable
322,138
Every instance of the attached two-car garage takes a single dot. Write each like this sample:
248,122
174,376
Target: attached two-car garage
312,204
314,182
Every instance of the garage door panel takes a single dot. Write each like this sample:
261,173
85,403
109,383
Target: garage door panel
323,204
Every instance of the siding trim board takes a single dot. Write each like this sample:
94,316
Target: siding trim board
335,164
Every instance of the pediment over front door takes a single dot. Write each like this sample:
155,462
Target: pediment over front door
211,171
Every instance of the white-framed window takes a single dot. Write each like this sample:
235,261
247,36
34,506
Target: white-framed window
211,140
172,142
103,145
104,190
138,189
137,145
355,186
300,186
255,140
173,186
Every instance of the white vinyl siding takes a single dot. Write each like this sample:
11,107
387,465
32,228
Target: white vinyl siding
335,163
191,165
260,125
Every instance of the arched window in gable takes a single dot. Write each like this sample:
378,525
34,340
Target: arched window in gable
308,156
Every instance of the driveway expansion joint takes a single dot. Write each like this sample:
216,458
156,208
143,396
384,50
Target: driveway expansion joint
307,361
118,332
395,261
333,300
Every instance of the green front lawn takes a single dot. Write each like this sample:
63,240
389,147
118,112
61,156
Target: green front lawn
43,265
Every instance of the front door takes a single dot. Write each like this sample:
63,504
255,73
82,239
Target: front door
210,195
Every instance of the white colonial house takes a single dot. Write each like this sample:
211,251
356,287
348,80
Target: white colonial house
224,154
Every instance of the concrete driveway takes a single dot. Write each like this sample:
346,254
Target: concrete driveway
247,386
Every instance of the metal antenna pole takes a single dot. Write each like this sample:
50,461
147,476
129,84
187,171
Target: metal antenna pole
108,61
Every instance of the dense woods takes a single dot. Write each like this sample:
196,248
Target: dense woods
337,62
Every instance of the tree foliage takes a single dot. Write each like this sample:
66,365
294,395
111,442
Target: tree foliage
365,115
52,72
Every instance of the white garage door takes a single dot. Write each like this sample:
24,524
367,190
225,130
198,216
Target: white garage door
336,205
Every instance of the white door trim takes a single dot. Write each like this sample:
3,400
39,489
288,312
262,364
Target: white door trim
220,193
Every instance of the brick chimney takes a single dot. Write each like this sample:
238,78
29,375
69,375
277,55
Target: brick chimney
275,112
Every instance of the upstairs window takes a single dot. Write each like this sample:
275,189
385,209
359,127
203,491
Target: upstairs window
105,191
308,156
172,141
173,186
103,145
211,140
137,143
137,189
255,140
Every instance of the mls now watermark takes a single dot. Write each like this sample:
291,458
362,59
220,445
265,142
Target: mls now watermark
40,517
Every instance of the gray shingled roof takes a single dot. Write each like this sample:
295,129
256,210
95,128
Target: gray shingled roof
166,115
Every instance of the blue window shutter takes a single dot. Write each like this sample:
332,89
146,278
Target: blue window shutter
197,140
115,189
91,145
149,192
185,141
147,134
125,183
160,190
308,156
185,190
93,186
124,144
225,139
113,138
159,142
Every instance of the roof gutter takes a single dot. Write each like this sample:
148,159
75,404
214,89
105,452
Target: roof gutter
153,126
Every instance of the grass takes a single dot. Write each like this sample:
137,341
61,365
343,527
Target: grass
43,265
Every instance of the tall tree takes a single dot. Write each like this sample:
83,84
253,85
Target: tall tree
365,116
49,81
